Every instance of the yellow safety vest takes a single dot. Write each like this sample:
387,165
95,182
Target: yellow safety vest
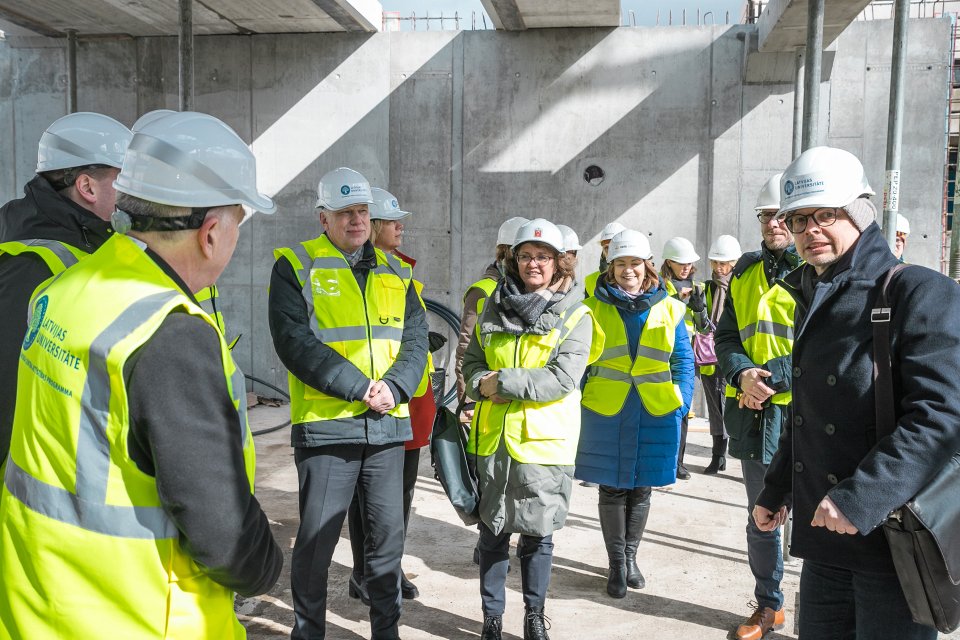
764,319
365,327
87,549
58,256
534,432
209,298
590,283
673,293
486,285
610,378
424,387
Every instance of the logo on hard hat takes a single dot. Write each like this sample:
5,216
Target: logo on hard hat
345,190
788,187
394,204
538,233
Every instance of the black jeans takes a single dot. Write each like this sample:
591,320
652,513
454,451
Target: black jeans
840,604
536,560
329,476
411,464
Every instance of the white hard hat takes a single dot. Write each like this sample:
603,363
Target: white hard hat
149,117
191,159
342,188
725,249
769,197
822,177
612,229
903,225
385,206
629,244
570,240
679,250
539,230
508,230
82,139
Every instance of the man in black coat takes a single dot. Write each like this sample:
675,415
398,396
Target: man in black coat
839,478
66,205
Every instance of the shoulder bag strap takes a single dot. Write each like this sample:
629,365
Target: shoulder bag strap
882,371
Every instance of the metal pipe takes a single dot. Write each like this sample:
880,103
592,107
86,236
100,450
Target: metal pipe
811,81
185,41
798,103
71,70
891,186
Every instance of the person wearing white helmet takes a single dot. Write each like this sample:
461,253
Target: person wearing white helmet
479,291
753,343
387,232
677,272
131,416
63,216
350,328
571,243
609,230
723,256
633,402
903,231
860,444
523,366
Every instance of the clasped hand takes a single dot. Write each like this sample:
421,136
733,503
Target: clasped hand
755,392
489,385
379,397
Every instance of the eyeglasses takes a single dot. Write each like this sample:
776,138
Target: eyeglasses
525,258
766,216
825,217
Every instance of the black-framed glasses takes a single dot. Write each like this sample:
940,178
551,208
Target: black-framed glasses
797,222
766,216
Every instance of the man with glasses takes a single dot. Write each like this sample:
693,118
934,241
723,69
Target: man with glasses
841,477
754,340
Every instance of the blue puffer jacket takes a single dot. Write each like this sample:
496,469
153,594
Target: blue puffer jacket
634,449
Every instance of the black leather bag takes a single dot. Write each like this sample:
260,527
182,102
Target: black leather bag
923,534
448,455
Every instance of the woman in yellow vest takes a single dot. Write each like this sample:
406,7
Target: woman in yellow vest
633,401
523,366
386,233
677,272
723,256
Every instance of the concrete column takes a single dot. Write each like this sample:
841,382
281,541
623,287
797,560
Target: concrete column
811,84
71,70
798,103
186,55
891,187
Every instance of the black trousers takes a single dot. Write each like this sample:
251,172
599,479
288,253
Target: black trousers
329,476
536,560
411,464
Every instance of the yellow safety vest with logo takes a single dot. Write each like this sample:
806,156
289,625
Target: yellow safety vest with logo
764,319
365,327
87,549
610,378
58,256
534,432
673,293
486,285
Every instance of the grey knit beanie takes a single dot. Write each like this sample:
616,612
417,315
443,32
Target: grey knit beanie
862,212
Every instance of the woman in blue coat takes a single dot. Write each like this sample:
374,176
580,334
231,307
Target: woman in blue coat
634,398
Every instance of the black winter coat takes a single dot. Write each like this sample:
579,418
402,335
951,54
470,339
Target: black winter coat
41,213
830,445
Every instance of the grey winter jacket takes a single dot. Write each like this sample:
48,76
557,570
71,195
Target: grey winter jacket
519,497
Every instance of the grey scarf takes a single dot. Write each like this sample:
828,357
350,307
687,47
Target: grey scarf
520,310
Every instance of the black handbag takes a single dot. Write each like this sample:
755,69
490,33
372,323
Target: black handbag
448,455
923,534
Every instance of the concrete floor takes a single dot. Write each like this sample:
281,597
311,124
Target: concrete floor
693,556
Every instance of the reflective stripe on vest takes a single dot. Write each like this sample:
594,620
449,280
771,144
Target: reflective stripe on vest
70,477
610,378
765,321
58,256
534,432
365,327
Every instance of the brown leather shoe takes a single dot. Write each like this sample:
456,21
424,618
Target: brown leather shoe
760,623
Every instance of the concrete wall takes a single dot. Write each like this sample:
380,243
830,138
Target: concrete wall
468,128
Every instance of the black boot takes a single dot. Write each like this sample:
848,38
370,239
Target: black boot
536,624
358,589
613,525
492,628
408,590
638,508
717,464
